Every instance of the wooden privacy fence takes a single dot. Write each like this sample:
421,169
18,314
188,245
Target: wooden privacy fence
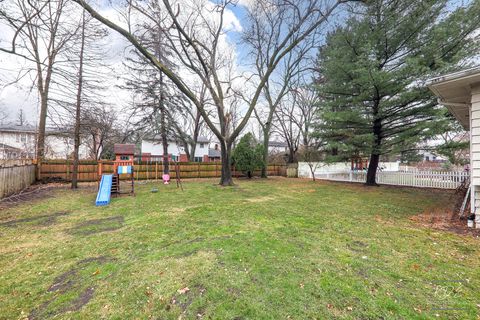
88,170
15,179
421,179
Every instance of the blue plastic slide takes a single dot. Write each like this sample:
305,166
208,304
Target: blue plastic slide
104,191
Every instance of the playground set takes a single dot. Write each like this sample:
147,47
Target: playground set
110,183
124,164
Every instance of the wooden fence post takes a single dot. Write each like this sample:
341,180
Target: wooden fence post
67,173
39,170
156,170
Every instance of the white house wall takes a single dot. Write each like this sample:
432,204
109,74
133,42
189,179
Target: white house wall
475,151
56,147
22,141
156,148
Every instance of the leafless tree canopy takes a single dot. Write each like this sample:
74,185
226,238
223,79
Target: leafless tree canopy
197,33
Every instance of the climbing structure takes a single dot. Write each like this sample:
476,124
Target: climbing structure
109,184
123,164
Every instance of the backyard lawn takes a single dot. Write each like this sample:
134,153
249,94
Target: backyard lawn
265,249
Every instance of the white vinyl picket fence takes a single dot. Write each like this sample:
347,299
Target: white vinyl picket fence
420,179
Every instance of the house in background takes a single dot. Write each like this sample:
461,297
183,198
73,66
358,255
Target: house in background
152,149
9,153
460,93
19,142
214,154
275,147
429,156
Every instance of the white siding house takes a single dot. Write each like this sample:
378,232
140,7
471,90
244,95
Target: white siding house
460,93
19,142
275,147
152,146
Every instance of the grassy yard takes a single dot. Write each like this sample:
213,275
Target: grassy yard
276,249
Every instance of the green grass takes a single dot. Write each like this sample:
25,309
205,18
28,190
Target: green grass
276,249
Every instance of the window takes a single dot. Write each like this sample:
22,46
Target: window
17,137
427,158
202,145
174,158
198,159
124,157
24,137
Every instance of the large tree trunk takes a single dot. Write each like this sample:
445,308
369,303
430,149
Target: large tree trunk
266,138
226,178
43,89
372,170
291,155
76,147
163,133
193,146
41,126
375,155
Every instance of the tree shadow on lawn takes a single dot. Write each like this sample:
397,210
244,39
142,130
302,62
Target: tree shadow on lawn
72,289
44,220
94,226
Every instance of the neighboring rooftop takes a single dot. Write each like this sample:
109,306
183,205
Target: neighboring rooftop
7,147
12,127
28,128
214,153
158,138
124,149
277,144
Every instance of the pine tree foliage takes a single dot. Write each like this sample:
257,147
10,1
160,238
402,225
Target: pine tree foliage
373,73
248,155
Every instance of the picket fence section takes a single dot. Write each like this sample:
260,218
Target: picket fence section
15,179
420,179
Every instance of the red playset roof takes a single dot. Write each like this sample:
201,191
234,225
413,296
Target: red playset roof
127,149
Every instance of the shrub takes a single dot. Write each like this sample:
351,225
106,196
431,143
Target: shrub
247,155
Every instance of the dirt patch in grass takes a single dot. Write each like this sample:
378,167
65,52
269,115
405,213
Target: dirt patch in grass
357,246
261,199
97,226
31,194
72,289
40,220
184,299
444,219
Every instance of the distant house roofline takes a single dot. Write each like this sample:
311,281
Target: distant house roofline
28,128
158,138
277,144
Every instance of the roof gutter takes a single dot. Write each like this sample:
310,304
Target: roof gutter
452,104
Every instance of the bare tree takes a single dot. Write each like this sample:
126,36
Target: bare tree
263,37
39,37
188,124
202,55
101,128
285,125
20,118
307,102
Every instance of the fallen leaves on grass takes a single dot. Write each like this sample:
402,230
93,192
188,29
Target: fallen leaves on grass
183,290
